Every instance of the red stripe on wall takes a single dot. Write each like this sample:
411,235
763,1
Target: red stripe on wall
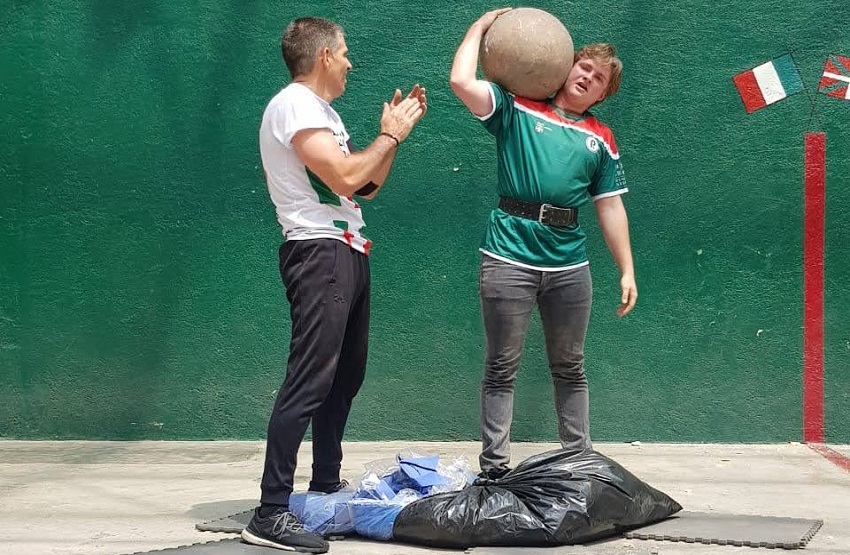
813,249
750,92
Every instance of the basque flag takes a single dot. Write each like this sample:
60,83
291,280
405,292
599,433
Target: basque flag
768,83
836,77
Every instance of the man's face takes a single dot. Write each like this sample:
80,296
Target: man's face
587,81
339,67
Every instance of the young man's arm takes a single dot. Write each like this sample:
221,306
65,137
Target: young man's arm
474,93
614,224
345,175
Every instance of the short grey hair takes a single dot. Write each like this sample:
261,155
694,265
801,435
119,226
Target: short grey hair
304,39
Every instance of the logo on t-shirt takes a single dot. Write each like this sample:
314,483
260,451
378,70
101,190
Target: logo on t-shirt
340,140
592,144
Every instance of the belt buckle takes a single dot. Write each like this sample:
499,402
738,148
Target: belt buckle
542,213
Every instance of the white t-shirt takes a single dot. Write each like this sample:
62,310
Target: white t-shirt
306,208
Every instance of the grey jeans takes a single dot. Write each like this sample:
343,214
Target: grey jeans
508,295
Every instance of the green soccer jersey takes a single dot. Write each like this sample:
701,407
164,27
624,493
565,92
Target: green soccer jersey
547,155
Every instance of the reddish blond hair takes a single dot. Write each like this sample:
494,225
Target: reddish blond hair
605,54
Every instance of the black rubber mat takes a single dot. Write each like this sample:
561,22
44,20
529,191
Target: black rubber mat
590,549
232,524
233,546
724,529
689,527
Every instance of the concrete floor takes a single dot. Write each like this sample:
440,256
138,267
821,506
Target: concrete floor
115,498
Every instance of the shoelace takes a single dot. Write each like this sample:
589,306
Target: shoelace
286,520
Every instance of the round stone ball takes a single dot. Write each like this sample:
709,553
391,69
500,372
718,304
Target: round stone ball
527,51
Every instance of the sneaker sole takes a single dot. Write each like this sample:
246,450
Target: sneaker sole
248,537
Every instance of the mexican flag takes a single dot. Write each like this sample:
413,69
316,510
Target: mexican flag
836,77
768,83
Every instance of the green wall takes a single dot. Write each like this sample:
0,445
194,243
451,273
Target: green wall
139,290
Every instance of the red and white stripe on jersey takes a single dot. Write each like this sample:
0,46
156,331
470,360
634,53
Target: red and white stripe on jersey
589,125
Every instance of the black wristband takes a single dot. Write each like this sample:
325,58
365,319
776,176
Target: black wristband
385,134
366,190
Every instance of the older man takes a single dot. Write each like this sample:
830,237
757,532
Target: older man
313,176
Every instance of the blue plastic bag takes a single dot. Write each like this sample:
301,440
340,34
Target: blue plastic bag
374,518
373,487
420,473
391,485
326,514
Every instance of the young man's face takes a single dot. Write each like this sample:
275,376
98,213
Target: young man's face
587,81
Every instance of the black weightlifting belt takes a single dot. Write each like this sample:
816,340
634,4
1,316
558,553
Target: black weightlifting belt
541,212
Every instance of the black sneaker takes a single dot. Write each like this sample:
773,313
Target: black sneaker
333,488
282,530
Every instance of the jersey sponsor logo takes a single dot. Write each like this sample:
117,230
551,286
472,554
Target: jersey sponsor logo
592,144
540,128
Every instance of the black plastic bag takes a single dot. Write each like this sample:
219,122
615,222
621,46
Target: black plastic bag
555,498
